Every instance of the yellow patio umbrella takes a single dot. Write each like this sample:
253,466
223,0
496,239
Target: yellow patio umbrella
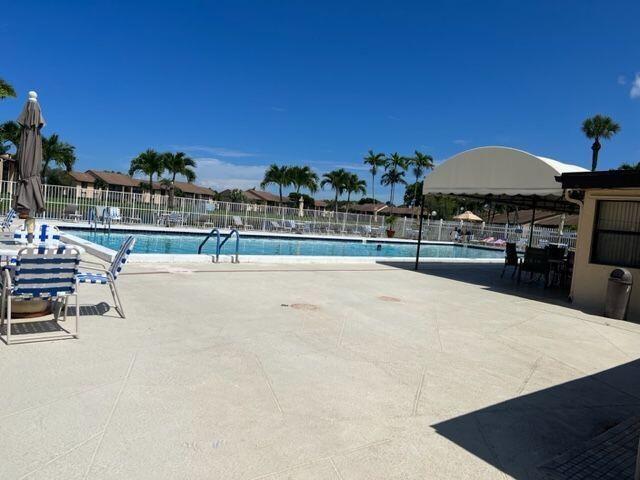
468,216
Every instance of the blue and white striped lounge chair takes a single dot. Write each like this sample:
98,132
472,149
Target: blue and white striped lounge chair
8,220
40,273
107,276
43,235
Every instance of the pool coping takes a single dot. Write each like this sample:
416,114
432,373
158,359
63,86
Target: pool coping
119,228
107,255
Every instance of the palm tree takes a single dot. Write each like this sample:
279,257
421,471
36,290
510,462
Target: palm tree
392,177
276,175
375,161
597,127
419,164
397,161
10,133
61,153
354,184
303,177
150,163
337,180
178,164
6,90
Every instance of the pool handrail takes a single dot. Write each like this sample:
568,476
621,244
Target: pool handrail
227,237
219,244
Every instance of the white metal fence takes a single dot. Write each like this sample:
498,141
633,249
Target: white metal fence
75,203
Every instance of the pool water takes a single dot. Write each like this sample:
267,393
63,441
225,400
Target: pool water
155,242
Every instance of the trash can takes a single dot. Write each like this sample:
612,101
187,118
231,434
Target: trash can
618,293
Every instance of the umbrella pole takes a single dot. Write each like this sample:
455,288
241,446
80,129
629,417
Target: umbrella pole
419,235
30,227
533,219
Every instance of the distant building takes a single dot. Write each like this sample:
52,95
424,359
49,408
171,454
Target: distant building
91,180
251,196
543,218
383,209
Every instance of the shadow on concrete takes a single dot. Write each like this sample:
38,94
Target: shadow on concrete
487,276
518,435
101,308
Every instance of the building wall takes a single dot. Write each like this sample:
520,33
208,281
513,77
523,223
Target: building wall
589,284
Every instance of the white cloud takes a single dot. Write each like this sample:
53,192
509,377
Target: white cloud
220,175
635,87
622,80
218,151
353,166
460,141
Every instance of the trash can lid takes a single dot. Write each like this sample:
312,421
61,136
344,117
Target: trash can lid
621,275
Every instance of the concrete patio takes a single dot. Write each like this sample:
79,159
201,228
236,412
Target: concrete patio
341,372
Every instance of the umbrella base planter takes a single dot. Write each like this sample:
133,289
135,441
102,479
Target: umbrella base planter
37,307
391,233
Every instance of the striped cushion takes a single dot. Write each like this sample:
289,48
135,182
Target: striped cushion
45,272
91,277
122,256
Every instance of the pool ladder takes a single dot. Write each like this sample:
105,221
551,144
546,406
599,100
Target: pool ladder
93,219
220,244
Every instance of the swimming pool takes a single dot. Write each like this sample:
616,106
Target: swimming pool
158,242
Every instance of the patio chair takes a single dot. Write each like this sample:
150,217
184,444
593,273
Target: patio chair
511,259
43,234
239,224
107,276
273,225
40,273
70,212
174,219
8,220
113,214
288,225
536,260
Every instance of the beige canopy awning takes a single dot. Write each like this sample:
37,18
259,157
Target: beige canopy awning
501,174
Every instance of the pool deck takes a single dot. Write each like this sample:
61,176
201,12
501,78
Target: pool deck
342,372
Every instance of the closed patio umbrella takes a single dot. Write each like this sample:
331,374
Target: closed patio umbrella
29,200
468,216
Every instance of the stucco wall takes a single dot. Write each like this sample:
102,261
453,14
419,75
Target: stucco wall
589,284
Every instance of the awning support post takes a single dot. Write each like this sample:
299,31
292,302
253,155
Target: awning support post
533,219
419,234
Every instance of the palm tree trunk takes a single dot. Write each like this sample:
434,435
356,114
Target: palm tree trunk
45,164
373,187
391,194
336,201
415,196
594,157
346,210
172,190
280,191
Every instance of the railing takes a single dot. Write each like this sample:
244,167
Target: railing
219,244
142,208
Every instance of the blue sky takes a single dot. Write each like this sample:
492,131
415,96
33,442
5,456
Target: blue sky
239,85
